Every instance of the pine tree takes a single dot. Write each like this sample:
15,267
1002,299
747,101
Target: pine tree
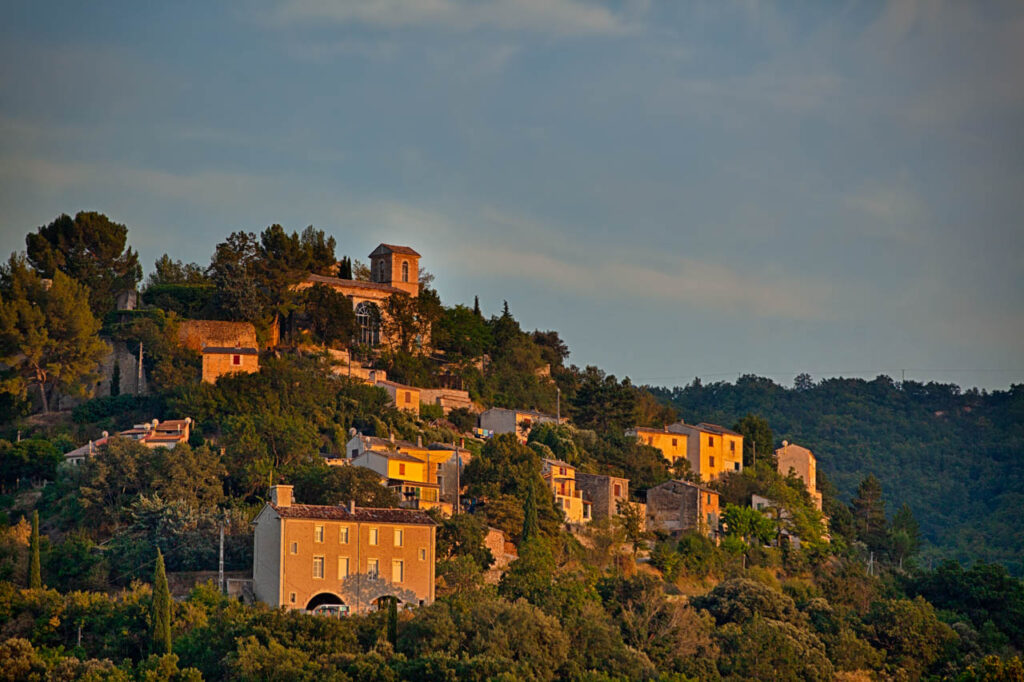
476,306
393,621
530,528
161,608
868,509
35,577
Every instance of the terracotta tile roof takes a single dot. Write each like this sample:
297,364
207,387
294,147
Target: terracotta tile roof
225,350
558,463
715,428
648,429
398,249
353,284
404,387
363,514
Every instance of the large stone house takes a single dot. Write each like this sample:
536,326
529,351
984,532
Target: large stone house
503,420
673,445
343,557
604,493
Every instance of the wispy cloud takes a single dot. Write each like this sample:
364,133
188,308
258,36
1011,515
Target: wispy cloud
552,17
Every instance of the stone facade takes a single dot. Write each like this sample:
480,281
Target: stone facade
198,334
801,461
220,361
306,556
680,506
604,493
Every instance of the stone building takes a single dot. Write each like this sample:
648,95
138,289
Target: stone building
561,478
342,557
673,445
603,492
401,396
681,506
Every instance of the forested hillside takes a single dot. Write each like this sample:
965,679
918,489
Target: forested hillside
953,456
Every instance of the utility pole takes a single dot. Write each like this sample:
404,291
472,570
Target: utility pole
138,375
458,480
558,405
220,570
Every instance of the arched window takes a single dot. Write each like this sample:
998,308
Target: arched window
368,319
405,271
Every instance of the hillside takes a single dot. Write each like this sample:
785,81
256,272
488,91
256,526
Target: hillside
953,456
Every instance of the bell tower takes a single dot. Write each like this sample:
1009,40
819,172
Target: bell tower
396,266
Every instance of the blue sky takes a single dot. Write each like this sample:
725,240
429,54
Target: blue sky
679,188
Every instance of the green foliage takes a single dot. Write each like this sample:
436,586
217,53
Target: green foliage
461,334
464,535
603,404
76,563
167,271
757,438
747,523
330,314
186,300
910,632
168,364
89,248
31,459
48,336
317,483
983,594
161,613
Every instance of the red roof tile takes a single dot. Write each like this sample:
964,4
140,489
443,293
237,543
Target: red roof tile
363,514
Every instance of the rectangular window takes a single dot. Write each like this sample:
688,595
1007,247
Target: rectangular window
408,397
318,534
294,548
732,446
711,441
399,537
373,568
709,498
291,597
236,359
711,462
736,466
397,571
343,536
423,553
355,452
618,490
318,567
342,567
401,469
675,442
374,533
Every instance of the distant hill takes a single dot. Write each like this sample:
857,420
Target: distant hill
954,456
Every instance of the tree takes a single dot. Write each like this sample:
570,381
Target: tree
631,516
748,524
161,613
35,577
602,403
345,268
462,334
529,515
803,382
47,333
89,248
757,437
904,534
331,316
868,509
393,621
233,271
168,271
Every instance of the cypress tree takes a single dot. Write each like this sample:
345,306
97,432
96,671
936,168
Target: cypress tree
529,515
115,379
476,306
161,608
393,621
35,576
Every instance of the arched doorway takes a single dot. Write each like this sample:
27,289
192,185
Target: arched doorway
322,599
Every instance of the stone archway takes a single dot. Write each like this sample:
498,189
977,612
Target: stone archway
324,598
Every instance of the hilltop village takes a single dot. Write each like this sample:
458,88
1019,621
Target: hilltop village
290,465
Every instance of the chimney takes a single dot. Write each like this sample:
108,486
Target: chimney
785,443
462,442
391,435
419,441
281,495
351,506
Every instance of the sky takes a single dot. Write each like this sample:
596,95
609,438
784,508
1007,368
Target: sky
681,189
